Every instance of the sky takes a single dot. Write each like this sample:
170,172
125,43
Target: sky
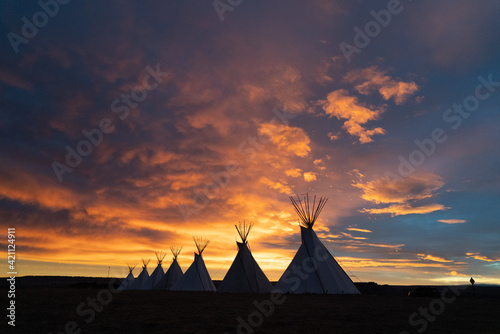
129,127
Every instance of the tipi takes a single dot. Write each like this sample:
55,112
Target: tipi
140,280
196,277
129,280
157,274
173,274
313,269
245,275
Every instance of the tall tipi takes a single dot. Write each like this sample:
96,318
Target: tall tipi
140,280
157,274
313,269
245,275
129,280
173,274
196,277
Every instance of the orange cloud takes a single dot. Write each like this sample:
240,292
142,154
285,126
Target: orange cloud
354,262
406,209
477,256
282,188
320,164
288,138
373,79
295,172
348,235
309,176
452,221
333,136
358,229
339,104
41,191
402,195
433,258
414,187
454,273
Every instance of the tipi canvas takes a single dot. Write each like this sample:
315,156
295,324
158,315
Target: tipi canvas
173,274
140,280
157,274
245,275
129,280
196,277
313,269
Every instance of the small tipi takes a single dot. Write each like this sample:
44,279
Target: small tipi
173,274
196,277
245,275
313,269
129,280
140,280
157,274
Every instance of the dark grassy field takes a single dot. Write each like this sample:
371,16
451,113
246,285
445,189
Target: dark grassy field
382,309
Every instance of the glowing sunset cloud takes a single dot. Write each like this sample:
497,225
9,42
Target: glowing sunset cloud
452,221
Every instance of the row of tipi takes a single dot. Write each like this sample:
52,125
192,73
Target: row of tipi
312,270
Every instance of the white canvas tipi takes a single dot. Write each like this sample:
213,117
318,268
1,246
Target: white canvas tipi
157,273
313,269
129,280
140,280
196,277
245,275
173,274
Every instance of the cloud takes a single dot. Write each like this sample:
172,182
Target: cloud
372,79
333,135
13,79
295,172
320,164
348,235
477,256
433,258
288,138
309,176
452,221
404,196
414,187
406,209
358,229
282,188
343,106
357,262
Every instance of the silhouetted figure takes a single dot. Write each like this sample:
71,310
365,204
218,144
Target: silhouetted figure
472,283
